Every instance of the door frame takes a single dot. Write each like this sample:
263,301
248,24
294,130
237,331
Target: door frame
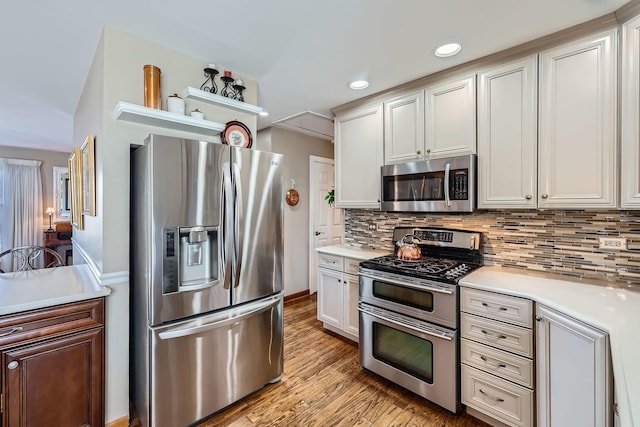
313,256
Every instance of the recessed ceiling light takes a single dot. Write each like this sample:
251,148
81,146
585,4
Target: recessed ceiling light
359,84
264,113
448,49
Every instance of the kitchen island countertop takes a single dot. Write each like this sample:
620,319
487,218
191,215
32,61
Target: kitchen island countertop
613,309
351,251
34,289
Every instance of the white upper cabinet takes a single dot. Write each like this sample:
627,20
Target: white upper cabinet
507,135
577,124
630,176
404,128
358,157
450,117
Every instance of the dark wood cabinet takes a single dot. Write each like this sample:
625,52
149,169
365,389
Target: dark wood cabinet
54,376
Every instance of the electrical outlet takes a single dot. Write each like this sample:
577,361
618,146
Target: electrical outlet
373,226
617,243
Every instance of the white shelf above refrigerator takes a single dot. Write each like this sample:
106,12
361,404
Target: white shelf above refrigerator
153,117
222,101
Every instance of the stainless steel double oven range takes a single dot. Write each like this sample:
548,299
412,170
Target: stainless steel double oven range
409,313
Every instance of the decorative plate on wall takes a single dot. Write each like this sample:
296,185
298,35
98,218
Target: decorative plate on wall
237,134
293,197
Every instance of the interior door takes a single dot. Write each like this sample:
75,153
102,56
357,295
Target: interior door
326,224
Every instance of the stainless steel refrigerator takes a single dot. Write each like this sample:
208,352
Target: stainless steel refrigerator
206,277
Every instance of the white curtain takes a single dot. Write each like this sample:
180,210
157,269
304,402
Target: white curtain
20,205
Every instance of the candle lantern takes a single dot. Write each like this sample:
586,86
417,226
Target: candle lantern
210,73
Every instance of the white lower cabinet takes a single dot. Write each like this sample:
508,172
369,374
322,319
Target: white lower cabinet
338,294
574,381
496,352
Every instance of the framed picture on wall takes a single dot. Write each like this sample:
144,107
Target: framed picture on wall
75,187
88,176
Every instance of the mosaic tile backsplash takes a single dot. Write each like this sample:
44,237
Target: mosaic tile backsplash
561,242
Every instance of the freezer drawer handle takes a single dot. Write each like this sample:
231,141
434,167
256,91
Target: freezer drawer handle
258,308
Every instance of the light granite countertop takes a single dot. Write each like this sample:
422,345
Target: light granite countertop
33,289
351,251
613,309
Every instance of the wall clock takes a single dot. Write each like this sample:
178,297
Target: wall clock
237,134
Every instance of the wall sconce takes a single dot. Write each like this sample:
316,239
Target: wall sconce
50,211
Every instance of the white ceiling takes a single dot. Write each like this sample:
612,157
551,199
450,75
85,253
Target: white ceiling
301,52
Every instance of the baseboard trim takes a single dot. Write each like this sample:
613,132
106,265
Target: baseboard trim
297,295
485,418
120,422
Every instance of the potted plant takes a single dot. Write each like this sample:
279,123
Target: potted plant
330,197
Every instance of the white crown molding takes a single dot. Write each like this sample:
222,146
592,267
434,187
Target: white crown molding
103,279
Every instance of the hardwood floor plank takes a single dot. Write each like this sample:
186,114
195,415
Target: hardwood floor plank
324,385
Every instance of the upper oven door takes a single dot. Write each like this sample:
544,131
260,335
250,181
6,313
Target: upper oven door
438,185
422,299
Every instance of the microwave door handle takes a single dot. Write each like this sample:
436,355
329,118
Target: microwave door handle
238,224
447,172
227,220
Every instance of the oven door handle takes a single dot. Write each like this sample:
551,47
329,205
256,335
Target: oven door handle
421,331
409,285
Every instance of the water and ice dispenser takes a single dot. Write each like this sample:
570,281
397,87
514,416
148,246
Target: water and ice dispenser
190,258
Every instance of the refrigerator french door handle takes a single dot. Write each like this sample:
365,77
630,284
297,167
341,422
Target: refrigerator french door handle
238,220
447,172
227,219
249,310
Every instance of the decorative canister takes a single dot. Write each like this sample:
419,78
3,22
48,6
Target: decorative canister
197,114
152,96
175,104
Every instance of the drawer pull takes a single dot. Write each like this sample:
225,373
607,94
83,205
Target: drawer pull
484,304
499,337
12,365
495,365
13,330
497,399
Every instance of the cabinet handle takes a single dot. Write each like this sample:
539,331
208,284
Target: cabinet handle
495,365
500,337
12,365
16,329
418,152
544,196
497,399
484,304
428,150
528,197
538,319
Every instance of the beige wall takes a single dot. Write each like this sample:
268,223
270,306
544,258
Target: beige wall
117,75
49,159
296,148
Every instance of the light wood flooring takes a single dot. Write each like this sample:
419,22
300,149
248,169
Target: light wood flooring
324,385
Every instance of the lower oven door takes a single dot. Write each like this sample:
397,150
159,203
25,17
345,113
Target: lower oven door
414,354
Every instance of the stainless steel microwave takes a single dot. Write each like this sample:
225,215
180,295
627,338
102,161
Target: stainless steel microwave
437,185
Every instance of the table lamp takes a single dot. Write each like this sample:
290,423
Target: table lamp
50,211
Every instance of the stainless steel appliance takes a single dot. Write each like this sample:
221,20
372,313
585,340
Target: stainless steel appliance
409,313
436,185
206,277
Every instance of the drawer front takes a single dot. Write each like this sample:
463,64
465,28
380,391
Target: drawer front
500,399
497,362
351,266
497,334
333,262
518,311
38,324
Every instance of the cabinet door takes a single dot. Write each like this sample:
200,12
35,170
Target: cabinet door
577,144
450,124
507,135
56,383
573,371
404,128
358,155
330,297
630,176
351,316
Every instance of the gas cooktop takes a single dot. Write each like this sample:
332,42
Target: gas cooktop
441,269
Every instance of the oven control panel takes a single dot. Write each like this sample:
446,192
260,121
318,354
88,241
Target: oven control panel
435,236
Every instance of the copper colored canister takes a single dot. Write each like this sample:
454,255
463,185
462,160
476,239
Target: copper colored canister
152,95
